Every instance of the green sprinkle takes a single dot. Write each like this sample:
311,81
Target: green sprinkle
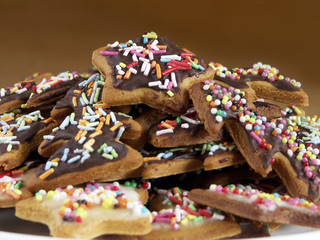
84,98
114,153
178,149
102,147
89,148
125,115
192,207
178,119
97,94
204,147
72,116
198,219
18,185
194,65
127,183
55,129
93,124
107,156
134,184
54,164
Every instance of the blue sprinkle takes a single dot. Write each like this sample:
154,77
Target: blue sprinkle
145,40
201,68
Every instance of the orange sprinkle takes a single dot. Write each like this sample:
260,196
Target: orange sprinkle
119,77
127,75
158,69
269,146
96,133
90,142
144,51
212,87
17,172
237,77
103,106
75,102
153,64
166,125
147,159
84,111
100,125
108,119
28,120
55,160
46,174
175,191
234,108
212,104
116,126
102,119
89,92
173,221
7,118
83,122
83,134
196,60
188,51
77,137
77,91
91,84
48,120
13,194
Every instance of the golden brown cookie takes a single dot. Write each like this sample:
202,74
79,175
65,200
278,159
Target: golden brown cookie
165,162
12,98
20,135
264,81
89,211
176,217
150,70
183,130
251,203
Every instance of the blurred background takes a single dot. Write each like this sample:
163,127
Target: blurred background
60,35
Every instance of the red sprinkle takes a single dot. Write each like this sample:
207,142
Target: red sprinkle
169,70
133,64
174,200
57,83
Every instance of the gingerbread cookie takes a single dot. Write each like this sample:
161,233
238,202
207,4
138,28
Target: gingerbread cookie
20,135
150,70
264,81
183,130
12,98
89,211
175,216
52,89
251,203
263,141
12,182
172,161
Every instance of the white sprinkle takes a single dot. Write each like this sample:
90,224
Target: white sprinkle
48,137
115,44
213,111
77,150
22,90
189,120
23,128
65,155
147,70
85,157
86,128
134,58
90,111
219,118
173,79
185,125
74,159
171,57
113,117
248,127
65,123
164,131
81,141
144,59
120,132
47,166
2,92
102,111
134,71
154,83
150,55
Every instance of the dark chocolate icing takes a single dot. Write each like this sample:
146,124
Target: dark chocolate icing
139,80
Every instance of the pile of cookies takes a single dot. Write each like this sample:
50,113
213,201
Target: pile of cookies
153,143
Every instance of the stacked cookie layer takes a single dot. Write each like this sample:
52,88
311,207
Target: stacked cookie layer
159,114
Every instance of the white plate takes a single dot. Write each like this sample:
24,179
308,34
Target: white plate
14,228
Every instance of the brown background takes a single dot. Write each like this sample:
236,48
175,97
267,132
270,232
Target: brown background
55,36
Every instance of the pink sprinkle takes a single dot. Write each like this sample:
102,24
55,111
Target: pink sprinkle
261,133
219,189
137,53
158,51
268,125
160,219
255,136
217,86
268,203
170,85
232,77
215,92
307,169
264,74
314,207
230,89
316,180
294,201
227,106
108,53
287,79
224,90
272,79
263,127
309,174
206,82
175,227
283,121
